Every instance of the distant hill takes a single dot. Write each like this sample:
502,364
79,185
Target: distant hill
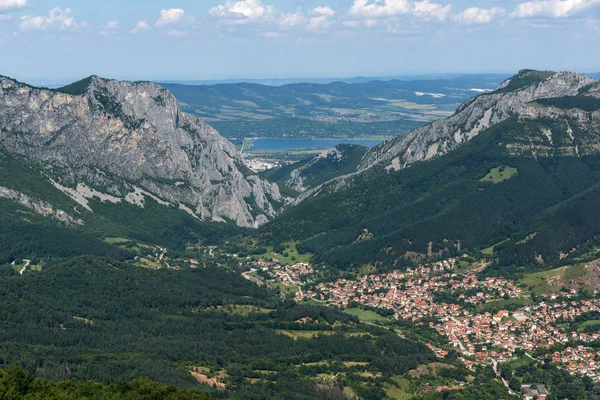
336,109
324,81
519,166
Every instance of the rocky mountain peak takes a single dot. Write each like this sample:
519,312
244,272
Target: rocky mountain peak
474,116
123,136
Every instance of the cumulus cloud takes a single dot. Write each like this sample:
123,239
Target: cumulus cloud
426,9
317,19
12,4
476,15
141,26
320,19
367,9
110,28
553,8
293,20
243,11
323,11
170,16
57,19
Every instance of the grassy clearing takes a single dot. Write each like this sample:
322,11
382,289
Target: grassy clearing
304,334
409,105
538,281
548,282
490,250
350,364
367,315
503,304
500,174
129,244
519,362
243,310
349,393
595,323
428,369
117,240
574,272
37,268
145,263
399,390
289,257
288,290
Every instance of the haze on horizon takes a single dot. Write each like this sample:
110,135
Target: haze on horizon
56,41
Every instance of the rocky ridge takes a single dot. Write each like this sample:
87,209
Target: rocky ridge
515,97
476,115
129,141
40,207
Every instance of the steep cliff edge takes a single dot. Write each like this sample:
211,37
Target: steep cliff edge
130,140
473,117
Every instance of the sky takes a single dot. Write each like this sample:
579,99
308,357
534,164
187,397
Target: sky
58,41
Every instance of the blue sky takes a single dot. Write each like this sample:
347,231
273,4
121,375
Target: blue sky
45,41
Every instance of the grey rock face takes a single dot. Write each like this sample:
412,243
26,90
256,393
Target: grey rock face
38,206
296,180
479,114
117,136
472,118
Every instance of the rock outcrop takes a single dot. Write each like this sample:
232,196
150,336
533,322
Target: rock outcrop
473,117
38,206
127,138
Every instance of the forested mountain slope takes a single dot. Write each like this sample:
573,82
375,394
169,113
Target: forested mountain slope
307,174
530,174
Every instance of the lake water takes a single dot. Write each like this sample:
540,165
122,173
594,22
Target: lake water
293,144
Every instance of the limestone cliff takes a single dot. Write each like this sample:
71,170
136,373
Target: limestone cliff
476,115
130,140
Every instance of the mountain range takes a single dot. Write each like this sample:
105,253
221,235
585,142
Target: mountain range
121,158
126,251
517,167
124,142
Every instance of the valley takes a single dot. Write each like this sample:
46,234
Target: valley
455,261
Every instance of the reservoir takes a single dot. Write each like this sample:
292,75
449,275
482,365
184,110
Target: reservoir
296,144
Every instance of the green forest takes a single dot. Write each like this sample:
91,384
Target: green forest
446,201
105,321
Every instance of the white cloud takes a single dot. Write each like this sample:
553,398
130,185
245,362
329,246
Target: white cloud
243,11
553,8
110,28
368,23
426,9
5,17
317,19
170,16
320,19
141,26
379,9
57,18
293,20
323,11
392,8
476,15
12,4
